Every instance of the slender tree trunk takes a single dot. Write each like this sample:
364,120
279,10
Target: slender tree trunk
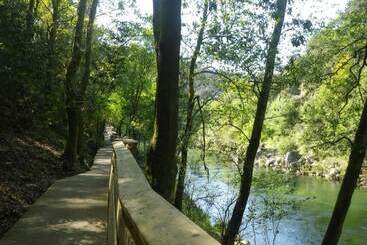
156,26
51,59
86,75
190,108
96,133
81,142
119,131
349,184
156,34
71,94
246,178
30,18
134,109
70,152
89,42
53,31
36,7
99,136
161,159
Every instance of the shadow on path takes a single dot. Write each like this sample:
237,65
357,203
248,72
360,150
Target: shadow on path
72,211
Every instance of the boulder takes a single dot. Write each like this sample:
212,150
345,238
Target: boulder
333,174
270,162
310,160
279,161
235,159
291,158
261,151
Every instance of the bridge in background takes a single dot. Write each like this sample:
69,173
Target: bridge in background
111,204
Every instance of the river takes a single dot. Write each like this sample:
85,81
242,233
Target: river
305,226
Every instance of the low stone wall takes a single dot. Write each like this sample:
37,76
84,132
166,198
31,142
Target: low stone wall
138,215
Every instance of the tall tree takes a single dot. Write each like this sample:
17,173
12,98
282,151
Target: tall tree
86,73
156,24
190,108
54,26
51,57
349,184
248,165
71,101
161,159
30,17
88,50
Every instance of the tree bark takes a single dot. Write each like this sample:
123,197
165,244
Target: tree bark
161,159
71,103
88,52
70,152
119,127
54,28
86,76
51,59
156,26
190,108
246,178
349,184
30,18
99,136
135,101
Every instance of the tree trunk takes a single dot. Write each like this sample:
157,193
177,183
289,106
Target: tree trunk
99,136
88,52
246,178
135,101
86,75
349,184
181,179
119,127
51,59
156,26
70,152
53,30
30,18
190,108
161,159
71,103
81,140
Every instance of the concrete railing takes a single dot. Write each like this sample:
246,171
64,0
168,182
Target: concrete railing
138,215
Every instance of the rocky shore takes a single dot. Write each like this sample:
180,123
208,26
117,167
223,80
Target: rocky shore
331,169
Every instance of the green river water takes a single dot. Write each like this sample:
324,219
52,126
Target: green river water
308,224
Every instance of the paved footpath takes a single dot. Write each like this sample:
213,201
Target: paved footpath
72,211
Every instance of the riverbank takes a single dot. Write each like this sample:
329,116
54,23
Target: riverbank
330,168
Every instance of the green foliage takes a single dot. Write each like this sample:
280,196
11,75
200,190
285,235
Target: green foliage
201,218
281,129
331,94
316,101
31,88
314,107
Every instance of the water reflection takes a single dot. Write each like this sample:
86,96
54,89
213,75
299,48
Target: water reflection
307,226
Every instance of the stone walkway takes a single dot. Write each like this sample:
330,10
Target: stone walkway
72,211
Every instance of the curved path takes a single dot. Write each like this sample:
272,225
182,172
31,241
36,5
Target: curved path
72,211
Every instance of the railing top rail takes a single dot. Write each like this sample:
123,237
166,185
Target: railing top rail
150,217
